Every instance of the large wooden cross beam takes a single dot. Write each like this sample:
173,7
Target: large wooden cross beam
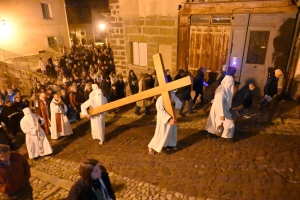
162,89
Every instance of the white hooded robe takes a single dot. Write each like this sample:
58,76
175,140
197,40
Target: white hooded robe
35,146
97,121
220,107
165,134
93,92
65,124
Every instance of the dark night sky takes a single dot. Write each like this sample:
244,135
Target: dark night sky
78,11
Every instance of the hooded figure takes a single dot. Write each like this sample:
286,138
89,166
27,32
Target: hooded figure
219,112
36,141
97,121
166,128
94,88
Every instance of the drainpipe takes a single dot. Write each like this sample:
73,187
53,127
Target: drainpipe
293,58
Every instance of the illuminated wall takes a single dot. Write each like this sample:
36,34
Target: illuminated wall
26,31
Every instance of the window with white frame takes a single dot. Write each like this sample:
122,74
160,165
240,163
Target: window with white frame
46,9
139,53
51,41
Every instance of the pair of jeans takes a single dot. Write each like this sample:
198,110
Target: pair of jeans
201,98
138,110
190,108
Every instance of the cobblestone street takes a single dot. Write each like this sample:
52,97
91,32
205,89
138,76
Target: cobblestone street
262,164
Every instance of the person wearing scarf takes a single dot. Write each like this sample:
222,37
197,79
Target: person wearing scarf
60,125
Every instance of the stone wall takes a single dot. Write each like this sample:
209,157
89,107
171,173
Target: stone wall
155,31
116,36
22,78
158,31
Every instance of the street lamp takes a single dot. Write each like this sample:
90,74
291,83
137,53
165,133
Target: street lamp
102,26
5,29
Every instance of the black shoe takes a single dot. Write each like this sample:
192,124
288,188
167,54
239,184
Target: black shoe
137,113
230,140
182,114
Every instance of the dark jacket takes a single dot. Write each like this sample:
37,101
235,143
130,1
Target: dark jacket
184,93
198,81
16,175
120,87
248,97
81,191
271,85
106,86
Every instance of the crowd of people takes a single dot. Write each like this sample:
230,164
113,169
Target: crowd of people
84,78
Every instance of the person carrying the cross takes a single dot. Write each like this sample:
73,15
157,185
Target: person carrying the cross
97,121
166,128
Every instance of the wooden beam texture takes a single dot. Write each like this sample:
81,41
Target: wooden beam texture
140,96
161,77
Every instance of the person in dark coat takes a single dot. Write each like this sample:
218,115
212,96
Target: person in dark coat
14,175
270,89
4,137
247,99
133,82
94,183
198,85
120,87
113,95
105,87
11,117
169,78
24,102
3,94
184,94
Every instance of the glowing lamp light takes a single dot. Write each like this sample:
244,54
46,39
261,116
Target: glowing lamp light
5,29
102,26
234,59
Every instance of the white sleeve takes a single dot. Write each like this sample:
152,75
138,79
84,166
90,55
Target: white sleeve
27,129
165,116
84,107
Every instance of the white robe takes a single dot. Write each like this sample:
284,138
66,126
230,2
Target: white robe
94,89
65,124
97,121
165,134
220,107
35,147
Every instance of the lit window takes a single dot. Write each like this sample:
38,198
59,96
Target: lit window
46,8
51,41
139,53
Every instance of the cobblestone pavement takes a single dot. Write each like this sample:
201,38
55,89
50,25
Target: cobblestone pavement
256,166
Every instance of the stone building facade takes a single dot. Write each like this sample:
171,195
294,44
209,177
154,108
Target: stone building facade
139,29
179,32
33,26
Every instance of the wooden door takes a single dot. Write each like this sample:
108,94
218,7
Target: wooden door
256,62
183,47
208,47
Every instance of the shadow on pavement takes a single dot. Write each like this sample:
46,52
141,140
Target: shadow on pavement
189,141
61,143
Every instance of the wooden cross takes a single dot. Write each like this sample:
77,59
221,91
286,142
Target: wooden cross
162,89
